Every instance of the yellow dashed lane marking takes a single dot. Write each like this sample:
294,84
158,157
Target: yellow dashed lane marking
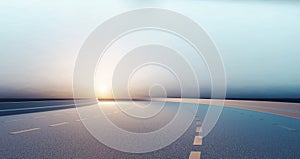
59,124
198,129
23,131
195,155
197,141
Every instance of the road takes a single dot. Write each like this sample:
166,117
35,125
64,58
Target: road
239,133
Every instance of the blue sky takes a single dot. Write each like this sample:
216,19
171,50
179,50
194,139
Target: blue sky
258,41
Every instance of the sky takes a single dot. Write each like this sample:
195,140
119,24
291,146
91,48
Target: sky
257,40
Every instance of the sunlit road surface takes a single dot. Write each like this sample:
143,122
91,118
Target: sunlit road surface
244,130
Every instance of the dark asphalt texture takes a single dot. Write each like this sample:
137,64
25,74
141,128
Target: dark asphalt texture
238,134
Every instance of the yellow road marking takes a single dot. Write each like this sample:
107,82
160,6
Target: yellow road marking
197,141
59,124
23,131
198,129
195,155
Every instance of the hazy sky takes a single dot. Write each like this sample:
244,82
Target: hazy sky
258,41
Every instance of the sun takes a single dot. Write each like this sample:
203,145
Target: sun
103,89
103,92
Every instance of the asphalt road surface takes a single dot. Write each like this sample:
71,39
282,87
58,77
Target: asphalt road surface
239,133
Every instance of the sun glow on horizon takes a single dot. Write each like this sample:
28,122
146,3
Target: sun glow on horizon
104,92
